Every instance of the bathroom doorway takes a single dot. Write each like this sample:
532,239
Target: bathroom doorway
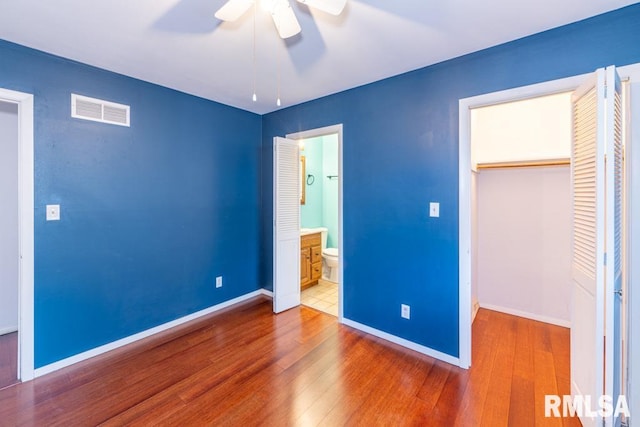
321,219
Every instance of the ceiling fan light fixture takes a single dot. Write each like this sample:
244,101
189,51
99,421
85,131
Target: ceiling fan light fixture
333,7
233,9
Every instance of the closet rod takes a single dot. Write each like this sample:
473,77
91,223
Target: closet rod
525,164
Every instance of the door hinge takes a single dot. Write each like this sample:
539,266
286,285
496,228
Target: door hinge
605,259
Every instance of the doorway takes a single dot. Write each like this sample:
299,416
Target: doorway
9,254
521,208
315,234
22,105
319,239
466,241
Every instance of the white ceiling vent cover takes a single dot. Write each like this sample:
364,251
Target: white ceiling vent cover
98,110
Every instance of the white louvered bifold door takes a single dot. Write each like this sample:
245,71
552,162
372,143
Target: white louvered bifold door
613,271
588,182
286,224
597,175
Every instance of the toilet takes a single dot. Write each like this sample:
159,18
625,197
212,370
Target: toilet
330,264
329,258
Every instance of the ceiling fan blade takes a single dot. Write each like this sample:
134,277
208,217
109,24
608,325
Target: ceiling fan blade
334,7
286,22
233,9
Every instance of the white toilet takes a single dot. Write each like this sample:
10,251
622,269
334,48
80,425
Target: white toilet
329,258
330,264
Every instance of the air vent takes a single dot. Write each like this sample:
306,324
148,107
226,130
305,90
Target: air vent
97,110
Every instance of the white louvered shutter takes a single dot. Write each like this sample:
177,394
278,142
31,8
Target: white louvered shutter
286,234
588,180
597,175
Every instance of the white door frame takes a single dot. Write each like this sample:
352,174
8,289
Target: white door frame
464,190
313,133
26,234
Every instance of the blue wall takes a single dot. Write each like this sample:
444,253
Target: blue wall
401,151
149,214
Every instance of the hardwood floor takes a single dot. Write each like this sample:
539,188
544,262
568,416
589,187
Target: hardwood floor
8,359
246,366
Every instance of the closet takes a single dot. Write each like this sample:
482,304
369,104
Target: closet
522,200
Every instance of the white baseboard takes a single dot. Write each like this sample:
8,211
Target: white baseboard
266,293
527,315
144,334
403,342
8,329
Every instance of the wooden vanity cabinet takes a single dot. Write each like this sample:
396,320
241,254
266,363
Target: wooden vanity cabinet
305,267
310,259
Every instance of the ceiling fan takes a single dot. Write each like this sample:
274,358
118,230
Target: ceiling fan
281,12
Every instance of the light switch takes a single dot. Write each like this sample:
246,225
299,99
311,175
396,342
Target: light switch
434,209
53,212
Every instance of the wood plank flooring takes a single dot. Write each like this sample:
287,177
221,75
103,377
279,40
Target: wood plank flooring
8,359
246,366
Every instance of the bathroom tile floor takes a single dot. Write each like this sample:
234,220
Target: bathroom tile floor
323,297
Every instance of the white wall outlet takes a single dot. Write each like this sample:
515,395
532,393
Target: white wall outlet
434,209
219,282
405,311
53,212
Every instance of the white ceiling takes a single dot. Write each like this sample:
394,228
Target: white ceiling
179,43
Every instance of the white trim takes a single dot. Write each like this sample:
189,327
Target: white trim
266,293
141,335
8,330
527,315
25,220
632,152
403,342
314,133
464,169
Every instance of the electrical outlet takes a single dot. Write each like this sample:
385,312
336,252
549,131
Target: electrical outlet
405,311
219,282
53,212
